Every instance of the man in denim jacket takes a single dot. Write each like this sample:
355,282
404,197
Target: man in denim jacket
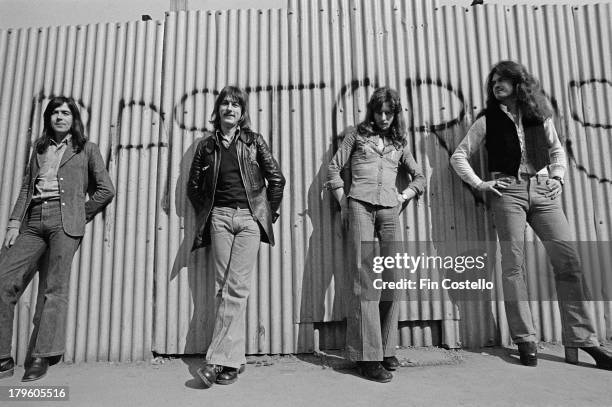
377,150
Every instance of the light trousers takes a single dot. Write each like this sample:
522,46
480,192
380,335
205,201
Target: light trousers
235,238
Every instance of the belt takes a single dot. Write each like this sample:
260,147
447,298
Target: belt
234,205
525,176
39,201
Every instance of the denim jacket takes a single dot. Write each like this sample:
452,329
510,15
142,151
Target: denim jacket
373,173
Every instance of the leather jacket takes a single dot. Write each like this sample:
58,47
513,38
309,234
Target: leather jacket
257,167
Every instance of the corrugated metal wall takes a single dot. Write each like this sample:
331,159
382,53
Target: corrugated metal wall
307,79
569,49
309,71
114,72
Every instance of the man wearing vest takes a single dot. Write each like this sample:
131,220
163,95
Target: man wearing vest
49,220
527,165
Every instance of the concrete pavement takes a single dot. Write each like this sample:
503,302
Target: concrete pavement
428,377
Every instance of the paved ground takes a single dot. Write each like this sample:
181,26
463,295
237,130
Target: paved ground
428,377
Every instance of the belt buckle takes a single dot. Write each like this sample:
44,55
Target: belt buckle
501,175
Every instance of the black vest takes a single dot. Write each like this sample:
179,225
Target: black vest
504,148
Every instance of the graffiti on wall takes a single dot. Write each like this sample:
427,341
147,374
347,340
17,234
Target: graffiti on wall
584,109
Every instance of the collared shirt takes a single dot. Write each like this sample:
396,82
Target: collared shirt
373,171
476,135
47,185
227,140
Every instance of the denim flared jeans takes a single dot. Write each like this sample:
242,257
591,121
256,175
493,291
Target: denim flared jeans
522,203
235,238
42,234
371,324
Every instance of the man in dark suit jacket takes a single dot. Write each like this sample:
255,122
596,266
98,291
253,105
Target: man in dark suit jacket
49,219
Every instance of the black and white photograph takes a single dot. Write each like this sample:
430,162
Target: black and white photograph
306,202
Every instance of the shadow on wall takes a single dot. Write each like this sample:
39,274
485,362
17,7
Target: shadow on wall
324,263
201,283
461,214
324,274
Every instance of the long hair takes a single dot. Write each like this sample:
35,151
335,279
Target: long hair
235,94
531,100
76,130
398,126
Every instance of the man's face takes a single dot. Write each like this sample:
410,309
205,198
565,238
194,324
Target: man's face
384,117
61,120
503,89
230,113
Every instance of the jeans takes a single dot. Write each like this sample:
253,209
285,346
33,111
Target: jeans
43,233
371,324
235,238
521,203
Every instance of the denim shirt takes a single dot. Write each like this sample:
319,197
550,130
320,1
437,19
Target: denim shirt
373,173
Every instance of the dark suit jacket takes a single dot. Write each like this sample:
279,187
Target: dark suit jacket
79,174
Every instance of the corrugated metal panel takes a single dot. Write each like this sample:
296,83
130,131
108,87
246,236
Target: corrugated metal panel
204,51
568,48
304,72
114,72
309,71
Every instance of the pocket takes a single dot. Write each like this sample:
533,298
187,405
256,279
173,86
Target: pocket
364,149
216,222
256,176
541,188
393,157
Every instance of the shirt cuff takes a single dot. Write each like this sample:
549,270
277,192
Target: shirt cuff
556,170
331,185
473,180
418,191
14,224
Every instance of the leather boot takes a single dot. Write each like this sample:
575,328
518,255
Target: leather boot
7,367
36,370
528,353
227,376
374,371
602,356
208,374
390,363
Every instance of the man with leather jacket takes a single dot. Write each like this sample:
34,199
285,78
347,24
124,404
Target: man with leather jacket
236,188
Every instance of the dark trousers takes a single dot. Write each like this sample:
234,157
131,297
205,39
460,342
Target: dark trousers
43,234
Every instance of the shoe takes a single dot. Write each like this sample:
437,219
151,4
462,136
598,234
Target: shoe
7,367
374,371
227,376
36,370
242,368
390,363
602,356
528,353
208,374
